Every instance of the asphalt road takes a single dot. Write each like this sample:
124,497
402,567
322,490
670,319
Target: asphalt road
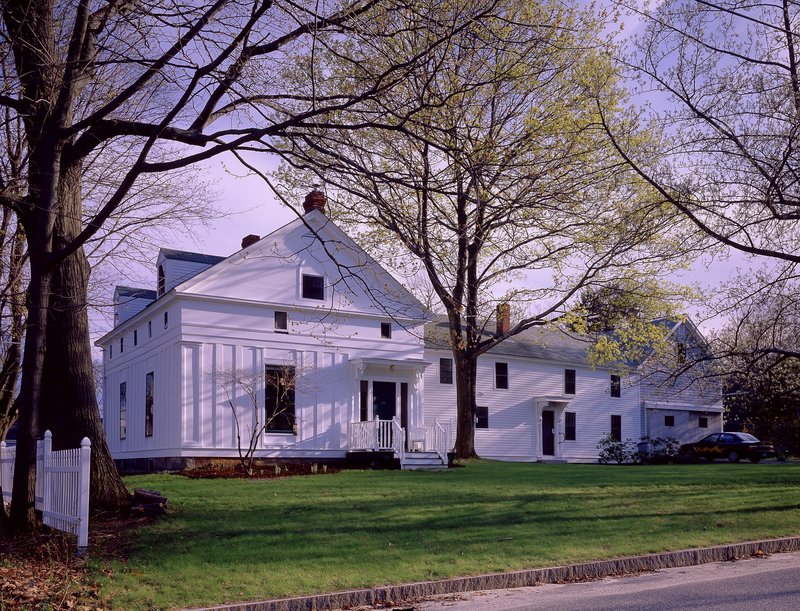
771,583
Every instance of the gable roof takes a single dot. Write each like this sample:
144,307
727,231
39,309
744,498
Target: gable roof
358,270
541,343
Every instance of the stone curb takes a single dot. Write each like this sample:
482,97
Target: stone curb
517,579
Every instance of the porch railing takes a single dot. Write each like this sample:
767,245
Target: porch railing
374,435
389,435
435,437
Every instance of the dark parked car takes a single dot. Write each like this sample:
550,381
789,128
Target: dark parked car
733,446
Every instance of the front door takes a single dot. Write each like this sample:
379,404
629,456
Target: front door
548,432
384,400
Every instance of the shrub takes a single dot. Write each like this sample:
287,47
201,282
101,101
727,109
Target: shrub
658,451
613,451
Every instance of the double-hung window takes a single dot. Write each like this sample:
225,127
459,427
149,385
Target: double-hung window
569,381
445,371
501,375
569,426
279,399
313,287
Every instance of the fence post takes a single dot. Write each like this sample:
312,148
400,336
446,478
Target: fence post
83,502
47,449
2,471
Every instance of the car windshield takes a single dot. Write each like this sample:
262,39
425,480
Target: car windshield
746,437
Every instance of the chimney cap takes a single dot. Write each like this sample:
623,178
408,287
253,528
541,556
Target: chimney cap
315,201
250,239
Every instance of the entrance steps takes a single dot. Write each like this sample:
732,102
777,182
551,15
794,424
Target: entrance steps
423,461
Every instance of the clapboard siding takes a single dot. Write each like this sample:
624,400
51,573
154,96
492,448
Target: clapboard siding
686,426
514,428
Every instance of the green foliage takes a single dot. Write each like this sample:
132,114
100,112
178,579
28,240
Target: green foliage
228,540
765,401
658,451
616,452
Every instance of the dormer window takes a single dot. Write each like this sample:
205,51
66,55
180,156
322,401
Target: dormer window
313,287
161,280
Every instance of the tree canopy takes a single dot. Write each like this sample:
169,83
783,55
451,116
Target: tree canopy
503,187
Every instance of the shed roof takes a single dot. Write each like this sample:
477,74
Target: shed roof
129,291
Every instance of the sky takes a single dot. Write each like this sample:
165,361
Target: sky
250,207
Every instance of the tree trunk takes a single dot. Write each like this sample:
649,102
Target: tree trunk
466,369
15,309
23,496
69,400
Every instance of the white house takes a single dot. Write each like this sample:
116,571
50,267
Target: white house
539,399
341,363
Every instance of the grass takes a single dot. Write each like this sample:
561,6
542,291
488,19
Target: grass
236,540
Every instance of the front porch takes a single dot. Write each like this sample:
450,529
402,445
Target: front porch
421,447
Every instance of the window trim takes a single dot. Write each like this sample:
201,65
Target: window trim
136,337
386,330
303,286
501,380
702,422
570,428
166,319
149,328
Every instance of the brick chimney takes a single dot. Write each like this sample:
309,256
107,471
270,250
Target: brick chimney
315,201
503,318
249,240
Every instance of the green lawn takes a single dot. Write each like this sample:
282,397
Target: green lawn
236,540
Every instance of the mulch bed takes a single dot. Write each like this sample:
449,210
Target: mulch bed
260,471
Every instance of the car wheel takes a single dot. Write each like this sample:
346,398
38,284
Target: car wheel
733,456
755,459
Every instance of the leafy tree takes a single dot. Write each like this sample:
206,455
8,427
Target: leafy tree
724,81
502,188
762,395
173,84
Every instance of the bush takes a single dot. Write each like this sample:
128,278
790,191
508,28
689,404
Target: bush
613,451
658,451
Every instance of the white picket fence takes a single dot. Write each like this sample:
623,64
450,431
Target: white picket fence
62,485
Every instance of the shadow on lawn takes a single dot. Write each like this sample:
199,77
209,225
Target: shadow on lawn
301,530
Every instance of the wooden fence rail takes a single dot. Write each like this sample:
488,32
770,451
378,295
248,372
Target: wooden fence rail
62,485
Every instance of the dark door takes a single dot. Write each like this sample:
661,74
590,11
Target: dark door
383,400
548,432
